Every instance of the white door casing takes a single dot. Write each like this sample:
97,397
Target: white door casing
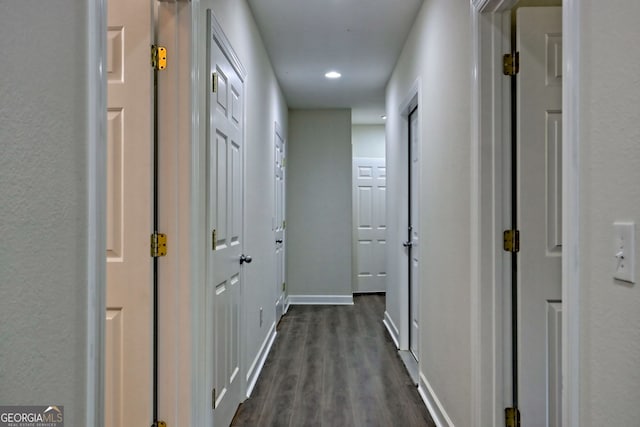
413,244
369,202
128,326
224,213
539,189
279,173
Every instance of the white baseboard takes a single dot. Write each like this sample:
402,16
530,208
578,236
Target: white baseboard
392,329
320,299
286,305
434,406
258,362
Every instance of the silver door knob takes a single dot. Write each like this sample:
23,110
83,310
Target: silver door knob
244,258
407,244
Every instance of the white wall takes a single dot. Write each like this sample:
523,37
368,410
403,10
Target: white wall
368,141
44,200
441,27
319,233
609,179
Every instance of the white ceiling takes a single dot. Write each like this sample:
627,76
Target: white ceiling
361,39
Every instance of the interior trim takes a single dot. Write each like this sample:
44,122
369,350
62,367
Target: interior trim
392,329
96,86
320,299
256,367
571,214
488,6
439,415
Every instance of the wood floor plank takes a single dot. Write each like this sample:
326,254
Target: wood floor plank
334,366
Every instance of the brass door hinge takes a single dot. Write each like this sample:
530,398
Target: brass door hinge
214,238
284,224
159,424
213,399
284,286
511,64
158,57
511,241
214,82
512,417
158,244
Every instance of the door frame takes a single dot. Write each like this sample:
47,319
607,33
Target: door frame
413,98
227,49
200,402
279,134
96,99
490,204
355,161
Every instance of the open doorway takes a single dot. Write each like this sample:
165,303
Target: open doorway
531,353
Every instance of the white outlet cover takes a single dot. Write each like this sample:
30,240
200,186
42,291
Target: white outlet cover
624,251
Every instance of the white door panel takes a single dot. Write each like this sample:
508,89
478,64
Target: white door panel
369,192
539,148
128,326
224,213
279,219
414,235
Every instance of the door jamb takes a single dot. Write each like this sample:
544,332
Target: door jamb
278,133
488,183
490,215
413,98
96,98
200,403
227,49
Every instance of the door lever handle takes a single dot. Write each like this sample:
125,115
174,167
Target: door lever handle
245,258
278,240
407,244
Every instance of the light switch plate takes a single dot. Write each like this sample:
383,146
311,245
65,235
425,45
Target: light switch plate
624,251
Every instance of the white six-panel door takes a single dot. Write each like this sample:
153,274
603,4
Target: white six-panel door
539,148
224,214
128,326
369,195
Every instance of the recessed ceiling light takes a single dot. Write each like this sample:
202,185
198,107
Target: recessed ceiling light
333,75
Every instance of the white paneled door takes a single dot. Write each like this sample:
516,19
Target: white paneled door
413,244
369,194
128,327
224,212
539,184
279,173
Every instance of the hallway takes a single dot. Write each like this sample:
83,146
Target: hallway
334,366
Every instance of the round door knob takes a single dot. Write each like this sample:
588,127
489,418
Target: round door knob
244,258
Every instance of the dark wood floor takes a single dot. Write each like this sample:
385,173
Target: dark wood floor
334,366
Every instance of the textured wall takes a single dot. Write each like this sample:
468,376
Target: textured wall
43,205
319,202
609,191
444,111
368,141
